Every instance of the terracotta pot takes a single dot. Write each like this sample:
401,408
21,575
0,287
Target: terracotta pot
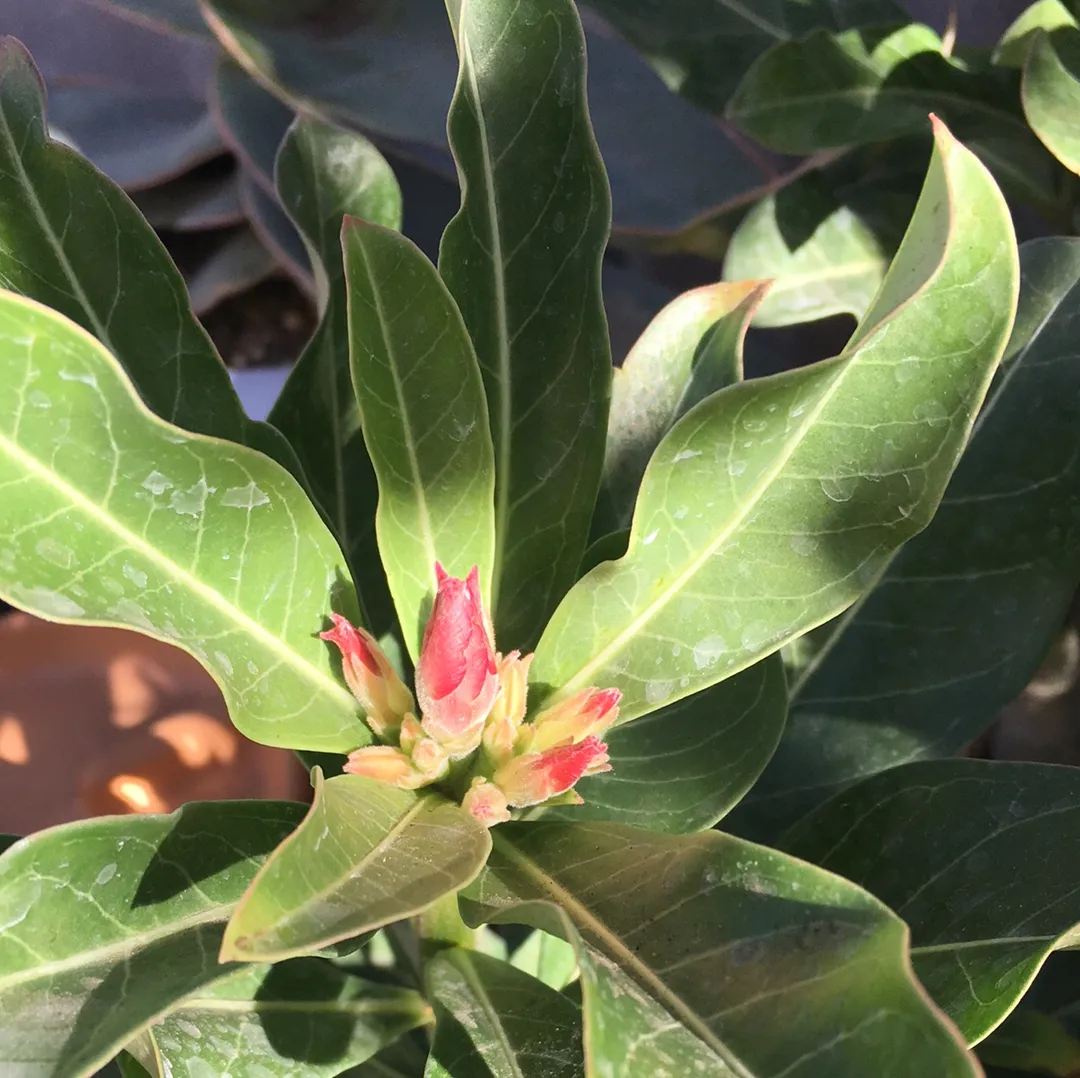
96,721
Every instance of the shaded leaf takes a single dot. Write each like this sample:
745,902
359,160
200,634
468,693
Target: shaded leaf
1048,15
1051,93
277,233
175,15
522,259
547,958
193,203
425,421
6,841
1030,1041
323,174
112,516
304,1018
240,263
811,478
682,768
730,938
366,854
493,1021
107,923
960,620
977,857
692,348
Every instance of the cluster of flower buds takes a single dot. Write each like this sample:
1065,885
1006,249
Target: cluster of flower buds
472,713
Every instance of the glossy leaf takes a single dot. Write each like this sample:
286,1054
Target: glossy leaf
425,421
692,348
1051,93
366,855
682,768
547,958
109,922
522,259
730,938
960,620
493,1021
811,478
702,48
324,173
111,516
73,241
977,857
304,1018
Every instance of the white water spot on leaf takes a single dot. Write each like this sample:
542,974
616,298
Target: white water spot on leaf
736,467
252,668
157,483
755,635
803,545
136,576
105,875
839,488
657,692
797,411
39,399
244,497
45,601
85,377
129,611
189,1028
755,426
651,537
55,553
680,512
224,661
191,502
18,899
932,412
708,650
685,454
906,369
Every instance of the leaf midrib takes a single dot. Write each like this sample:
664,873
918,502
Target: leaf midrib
625,957
482,997
214,598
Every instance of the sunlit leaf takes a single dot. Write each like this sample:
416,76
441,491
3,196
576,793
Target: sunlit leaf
1051,93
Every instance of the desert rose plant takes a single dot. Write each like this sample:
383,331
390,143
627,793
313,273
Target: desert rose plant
537,628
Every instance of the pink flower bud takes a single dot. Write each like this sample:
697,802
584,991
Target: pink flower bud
587,713
386,764
371,677
538,776
486,802
456,677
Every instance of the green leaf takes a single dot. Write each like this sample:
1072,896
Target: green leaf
702,48
323,174
304,1018
692,348
682,768
240,263
547,958
112,516
277,233
108,922
960,620
522,259
425,421
1030,1041
1048,15
366,854
192,203
493,1021
813,477
73,241
976,857
1051,93
730,939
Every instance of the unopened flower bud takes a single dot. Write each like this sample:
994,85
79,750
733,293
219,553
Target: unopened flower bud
486,802
513,671
538,776
371,677
588,713
386,764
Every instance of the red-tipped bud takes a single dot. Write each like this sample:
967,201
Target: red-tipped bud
538,776
456,677
513,671
371,677
586,714
486,802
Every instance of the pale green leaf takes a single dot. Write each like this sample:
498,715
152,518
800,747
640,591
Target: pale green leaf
979,859
1048,15
111,516
366,855
107,923
522,259
1051,93
425,421
547,958
771,506
959,621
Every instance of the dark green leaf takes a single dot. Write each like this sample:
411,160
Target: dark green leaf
192,203
731,939
324,173
1030,1041
276,232
425,421
692,348
493,1021
979,858
960,620
304,1018
522,259
7,840
110,515
771,506
682,768
241,262
367,854
107,923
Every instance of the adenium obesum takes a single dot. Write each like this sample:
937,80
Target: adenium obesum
469,732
